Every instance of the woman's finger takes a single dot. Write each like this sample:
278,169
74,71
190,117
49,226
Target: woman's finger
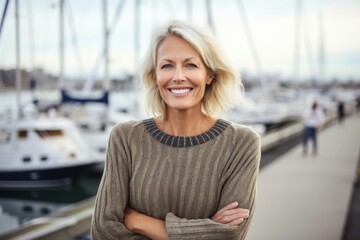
230,215
227,207
236,222
236,211
225,219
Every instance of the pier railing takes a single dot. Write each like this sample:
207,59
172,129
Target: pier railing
67,223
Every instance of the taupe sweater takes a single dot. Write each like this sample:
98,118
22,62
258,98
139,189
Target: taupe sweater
182,180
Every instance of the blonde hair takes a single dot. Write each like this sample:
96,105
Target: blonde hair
223,93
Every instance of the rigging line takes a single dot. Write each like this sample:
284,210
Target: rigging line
308,44
154,14
171,9
105,82
61,45
210,21
189,10
84,11
3,16
118,11
45,38
264,79
136,38
18,63
297,34
75,42
31,38
100,57
321,51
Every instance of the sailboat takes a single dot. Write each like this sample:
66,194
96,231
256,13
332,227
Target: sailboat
39,151
43,151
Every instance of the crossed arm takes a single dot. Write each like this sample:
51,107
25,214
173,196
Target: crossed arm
154,228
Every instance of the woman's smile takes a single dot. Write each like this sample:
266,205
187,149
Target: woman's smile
179,92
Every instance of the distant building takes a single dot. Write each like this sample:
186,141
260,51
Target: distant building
42,80
8,79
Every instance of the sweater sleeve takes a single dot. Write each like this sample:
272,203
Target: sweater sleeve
112,196
239,184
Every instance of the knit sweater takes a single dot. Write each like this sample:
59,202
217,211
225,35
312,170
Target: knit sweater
181,180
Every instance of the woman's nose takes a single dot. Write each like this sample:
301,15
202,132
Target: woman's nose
179,76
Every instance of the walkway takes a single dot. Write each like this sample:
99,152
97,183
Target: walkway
308,197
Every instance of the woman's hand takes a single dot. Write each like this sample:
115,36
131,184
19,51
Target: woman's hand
147,226
231,215
131,218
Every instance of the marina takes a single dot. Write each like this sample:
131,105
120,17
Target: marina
56,114
65,212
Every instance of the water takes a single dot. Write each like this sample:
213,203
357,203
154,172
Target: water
18,206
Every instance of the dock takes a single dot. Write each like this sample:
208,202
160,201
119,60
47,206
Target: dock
309,197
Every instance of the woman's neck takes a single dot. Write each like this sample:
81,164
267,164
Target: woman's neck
185,123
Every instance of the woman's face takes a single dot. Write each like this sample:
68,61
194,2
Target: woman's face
181,75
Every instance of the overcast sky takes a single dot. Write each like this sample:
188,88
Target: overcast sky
271,22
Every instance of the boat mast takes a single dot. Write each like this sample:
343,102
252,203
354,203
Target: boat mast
31,38
189,10
297,40
321,48
61,45
263,78
136,42
18,73
3,16
106,84
90,82
209,16
154,14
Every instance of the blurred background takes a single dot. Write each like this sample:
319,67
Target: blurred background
69,73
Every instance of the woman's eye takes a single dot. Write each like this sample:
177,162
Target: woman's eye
191,65
165,66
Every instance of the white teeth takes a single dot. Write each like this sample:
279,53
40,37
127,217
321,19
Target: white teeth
180,91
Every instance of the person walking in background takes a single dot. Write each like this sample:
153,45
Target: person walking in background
340,111
185,173
313,118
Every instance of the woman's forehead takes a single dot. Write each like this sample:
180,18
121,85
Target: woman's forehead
176,47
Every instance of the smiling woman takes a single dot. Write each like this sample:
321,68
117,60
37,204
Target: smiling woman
185,173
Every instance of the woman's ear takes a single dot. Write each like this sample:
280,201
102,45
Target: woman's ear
209,79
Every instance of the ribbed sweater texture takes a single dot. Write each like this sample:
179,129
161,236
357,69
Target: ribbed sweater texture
181,180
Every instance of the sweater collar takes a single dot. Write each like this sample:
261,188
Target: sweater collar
184,141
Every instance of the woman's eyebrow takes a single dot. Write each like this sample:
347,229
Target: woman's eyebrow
165,59
171,61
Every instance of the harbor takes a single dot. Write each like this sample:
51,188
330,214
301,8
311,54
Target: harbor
71,72
304,189
71,217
